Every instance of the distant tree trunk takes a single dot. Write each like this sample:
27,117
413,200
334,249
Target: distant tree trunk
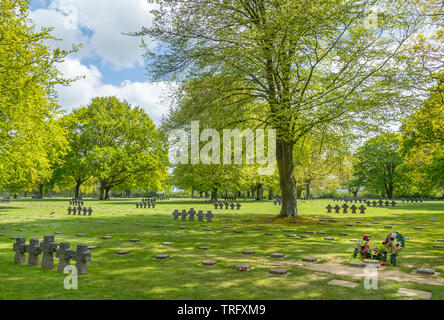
192,193
259,192
270,194
40,191
15,195
307,190
284,156
248,193
253,193
214,195
299,190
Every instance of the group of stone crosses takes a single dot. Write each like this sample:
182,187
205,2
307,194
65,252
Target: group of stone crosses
80,211
49,247
200,215
412,200
277,201
5,200
227,205
381,203
146,203
76,202
345,208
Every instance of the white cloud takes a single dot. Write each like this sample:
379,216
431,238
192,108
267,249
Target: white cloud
106,19
152,97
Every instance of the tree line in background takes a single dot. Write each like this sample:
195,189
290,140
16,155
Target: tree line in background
318,73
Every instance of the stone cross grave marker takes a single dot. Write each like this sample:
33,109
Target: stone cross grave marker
184,215
362,209
200,215
209,216
34,251
191,214
20,249
345,206
337,208
82,256
353,208
329,207
238,206
49,247
176,214
64,254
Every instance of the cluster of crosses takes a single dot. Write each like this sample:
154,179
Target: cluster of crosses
49,247
412,200
76,202
381,203
80,211
345,208
227,205
200,215
355,200
277,201
146,204
5,200
165,197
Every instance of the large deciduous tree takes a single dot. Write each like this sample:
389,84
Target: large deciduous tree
31,141
309,62
377,163
117,145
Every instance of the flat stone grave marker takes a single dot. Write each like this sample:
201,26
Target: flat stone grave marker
277,255
228,227
418,228
243,267
279,272
162,256
204,248
414,293
388,227
305,236
208,229
269,234
309,231
439,246
167,243
292,236
343,283
106,237
209,263
237,231
58,232
408,238
329,238
353,240
426,271
92,247
309,259
80,235
182,228
358,222
441,240
349,225
123,252
134,240
358,264
343,234
248,252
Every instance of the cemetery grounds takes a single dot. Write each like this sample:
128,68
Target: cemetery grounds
138,275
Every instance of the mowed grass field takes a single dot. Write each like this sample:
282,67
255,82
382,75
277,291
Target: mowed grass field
139,275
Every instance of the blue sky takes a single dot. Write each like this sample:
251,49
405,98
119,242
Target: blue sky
111,62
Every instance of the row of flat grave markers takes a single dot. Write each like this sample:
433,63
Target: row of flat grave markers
200,215
345,208
49,247
227,205
76,202
277,201
80,211
144,205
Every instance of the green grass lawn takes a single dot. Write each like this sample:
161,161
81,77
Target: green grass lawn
139,275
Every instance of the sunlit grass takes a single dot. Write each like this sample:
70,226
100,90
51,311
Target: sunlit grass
139,275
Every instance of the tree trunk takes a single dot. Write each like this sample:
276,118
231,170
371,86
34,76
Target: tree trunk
299,190
214,195
102,191
40,191
307,190
15,195
107,190
77,188
284,156
259,192
270,194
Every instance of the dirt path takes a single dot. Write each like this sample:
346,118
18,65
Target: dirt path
355,272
